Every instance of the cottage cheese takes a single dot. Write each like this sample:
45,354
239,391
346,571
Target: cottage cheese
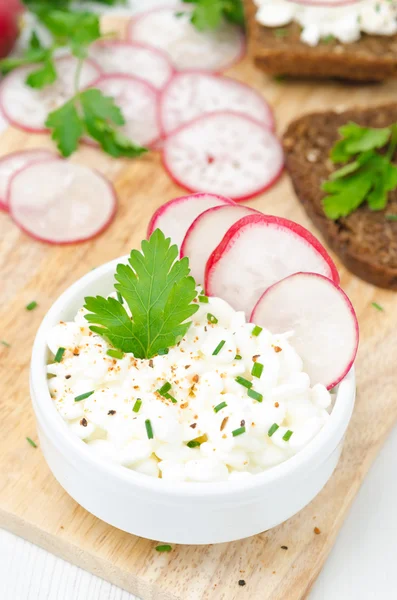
200,381
345,23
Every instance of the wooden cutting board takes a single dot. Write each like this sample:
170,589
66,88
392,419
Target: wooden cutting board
33,505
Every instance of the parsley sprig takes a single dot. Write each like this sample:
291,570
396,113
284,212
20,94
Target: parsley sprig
159,293
209,14
368,173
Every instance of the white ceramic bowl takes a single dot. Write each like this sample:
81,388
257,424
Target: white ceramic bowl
183,513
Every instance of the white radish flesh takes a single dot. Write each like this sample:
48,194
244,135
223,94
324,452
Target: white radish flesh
188,48
138,101
190,95
61,202
206,233
118,57
323,321
175,217
11,163
224,153
28,108
258,251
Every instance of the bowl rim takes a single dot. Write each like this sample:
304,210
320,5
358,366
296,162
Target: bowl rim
316,451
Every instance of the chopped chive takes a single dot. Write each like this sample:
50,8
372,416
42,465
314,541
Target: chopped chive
287,435
377,306
238,431
272,429
169,397
164,548
137,405
83,396
238,357
218,348
32,305
256,330
59,355
6,344
149,429
391,217
280,32
219,407
212,319
162,352
255,395
203,299
31,442
257,370
115,353
164,389
120,298
193,444
244,382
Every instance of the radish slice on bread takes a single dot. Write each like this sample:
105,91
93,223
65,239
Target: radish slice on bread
169,29
138,101
322,319
28,108
11,163
175,217
206,233
61,202
189,95
258,251
224,153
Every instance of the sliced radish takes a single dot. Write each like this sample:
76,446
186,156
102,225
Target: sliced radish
138,101
323,321
118,57
325,2
187,47
28,108
175,217
11,163
61,202
258,251
206,233
190,95
224,153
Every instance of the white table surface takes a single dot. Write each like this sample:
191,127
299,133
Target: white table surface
361,566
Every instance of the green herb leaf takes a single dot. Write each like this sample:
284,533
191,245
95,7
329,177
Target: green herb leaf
115,353
164,548
32,305
31,442
45,75
159,293
244,382
255,395
218,348
59,355
67,127
238,431
149,429
137,406
83,396
287,435
6,344
219,407
272,429
377,306
209,14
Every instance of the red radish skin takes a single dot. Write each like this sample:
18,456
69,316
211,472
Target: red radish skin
284,307
205,234
50,239
288,231
183,143
14,162
175,217
187,96
139,102
118,57
10,11
159,20
43,101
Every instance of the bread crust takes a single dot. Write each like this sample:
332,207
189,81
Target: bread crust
371,58
365,241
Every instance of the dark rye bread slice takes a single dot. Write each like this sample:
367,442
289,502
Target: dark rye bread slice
365,241
371,58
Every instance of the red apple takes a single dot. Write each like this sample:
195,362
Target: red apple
9,17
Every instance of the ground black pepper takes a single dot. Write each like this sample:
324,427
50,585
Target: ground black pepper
241,582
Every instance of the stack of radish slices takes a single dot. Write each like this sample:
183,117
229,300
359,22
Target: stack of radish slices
53,200
271,268
215,133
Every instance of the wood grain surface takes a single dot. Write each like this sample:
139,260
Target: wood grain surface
34,506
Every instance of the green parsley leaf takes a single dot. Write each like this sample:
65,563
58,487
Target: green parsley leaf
45,75
74,28
367,175
159,293
67,127
209,14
